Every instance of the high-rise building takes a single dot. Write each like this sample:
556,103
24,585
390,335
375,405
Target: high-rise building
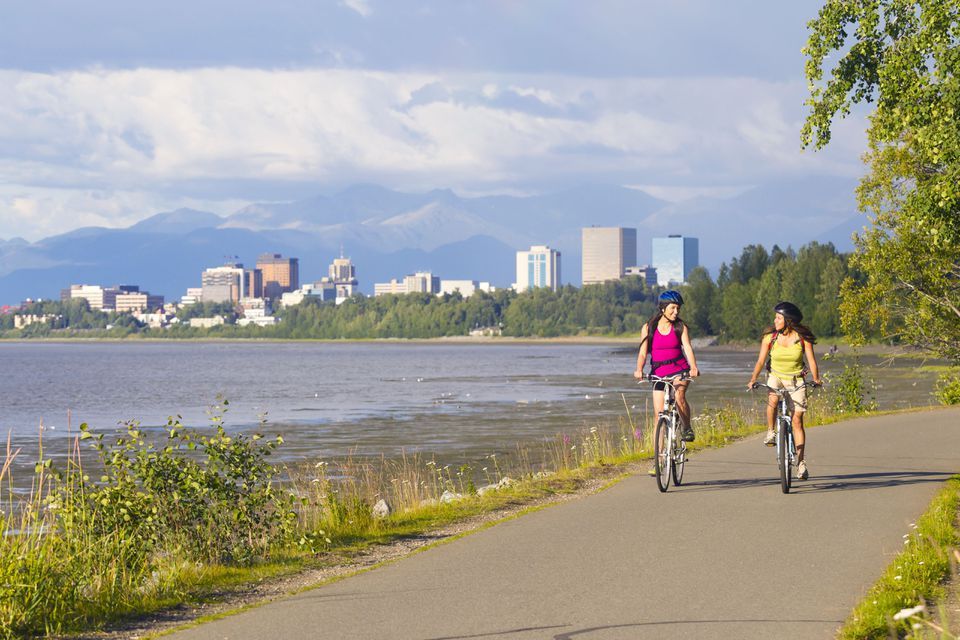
224,284
538,267
343,275
607,252
422,282
279,274
674,257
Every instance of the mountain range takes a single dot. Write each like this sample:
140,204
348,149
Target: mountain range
389,233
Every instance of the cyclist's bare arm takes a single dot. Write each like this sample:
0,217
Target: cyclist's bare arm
642,355
688,352
811,361
764,350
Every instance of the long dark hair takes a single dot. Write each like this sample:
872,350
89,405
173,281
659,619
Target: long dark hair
789,325
678,324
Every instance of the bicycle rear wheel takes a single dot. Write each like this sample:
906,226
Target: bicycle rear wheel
662,447
784,459
680,457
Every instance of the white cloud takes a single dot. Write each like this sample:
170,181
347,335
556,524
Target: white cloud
137,135
360,6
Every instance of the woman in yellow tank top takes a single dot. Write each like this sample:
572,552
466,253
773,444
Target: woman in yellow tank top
787,343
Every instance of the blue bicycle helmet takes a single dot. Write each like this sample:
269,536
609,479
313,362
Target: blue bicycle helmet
669,296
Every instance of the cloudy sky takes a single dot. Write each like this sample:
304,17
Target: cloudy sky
111,110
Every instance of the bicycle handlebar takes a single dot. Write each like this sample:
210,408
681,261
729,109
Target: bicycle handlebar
757,385
683,375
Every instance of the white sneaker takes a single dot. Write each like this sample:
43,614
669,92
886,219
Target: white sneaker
802,473
771,438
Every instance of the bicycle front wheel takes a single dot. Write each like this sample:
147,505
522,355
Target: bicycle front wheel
679,458
662,447
784,458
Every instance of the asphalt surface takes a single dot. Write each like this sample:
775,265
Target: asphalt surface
726,555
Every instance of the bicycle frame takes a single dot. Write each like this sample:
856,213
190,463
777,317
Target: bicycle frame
670,454
783,425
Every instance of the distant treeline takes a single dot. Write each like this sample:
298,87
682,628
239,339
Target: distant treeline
737,306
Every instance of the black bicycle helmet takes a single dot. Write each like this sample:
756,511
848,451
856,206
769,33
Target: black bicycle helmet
669,296
789,311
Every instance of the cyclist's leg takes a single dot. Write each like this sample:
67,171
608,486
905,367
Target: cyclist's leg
658,398
798,398
772,401
683,408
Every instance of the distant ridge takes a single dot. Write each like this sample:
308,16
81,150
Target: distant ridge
390,233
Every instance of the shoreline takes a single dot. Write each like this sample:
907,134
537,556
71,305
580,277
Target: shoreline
705,343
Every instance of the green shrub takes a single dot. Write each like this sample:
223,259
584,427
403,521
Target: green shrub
948,388
850,392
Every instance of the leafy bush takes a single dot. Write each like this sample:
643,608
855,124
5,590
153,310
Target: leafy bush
948,388
210,495
850,392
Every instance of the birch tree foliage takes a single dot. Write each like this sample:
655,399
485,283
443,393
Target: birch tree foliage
902,57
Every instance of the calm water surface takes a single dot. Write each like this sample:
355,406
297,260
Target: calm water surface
455,401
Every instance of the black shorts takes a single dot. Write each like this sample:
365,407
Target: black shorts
662,386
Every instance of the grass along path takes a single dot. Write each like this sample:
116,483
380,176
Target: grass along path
337,535
910,598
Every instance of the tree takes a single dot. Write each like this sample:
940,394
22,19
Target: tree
700,296
903,56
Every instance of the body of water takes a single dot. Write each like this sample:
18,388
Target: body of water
454,400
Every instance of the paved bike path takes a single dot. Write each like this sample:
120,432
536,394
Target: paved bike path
726,555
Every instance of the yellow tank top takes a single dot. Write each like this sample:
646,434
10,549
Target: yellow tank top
786,361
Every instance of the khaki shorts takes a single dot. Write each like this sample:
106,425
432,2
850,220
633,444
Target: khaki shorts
797,398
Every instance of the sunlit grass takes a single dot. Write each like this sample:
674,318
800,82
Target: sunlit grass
900,603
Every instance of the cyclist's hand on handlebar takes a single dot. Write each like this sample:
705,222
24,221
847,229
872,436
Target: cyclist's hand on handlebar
638,374
752,384
694,372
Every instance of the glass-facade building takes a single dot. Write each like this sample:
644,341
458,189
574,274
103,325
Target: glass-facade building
538,267
607,253
674,257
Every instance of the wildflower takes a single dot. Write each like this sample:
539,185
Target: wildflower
898,577
903,614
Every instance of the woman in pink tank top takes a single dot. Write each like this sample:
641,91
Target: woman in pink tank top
666,338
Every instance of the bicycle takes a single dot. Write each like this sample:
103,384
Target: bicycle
783,426
670,450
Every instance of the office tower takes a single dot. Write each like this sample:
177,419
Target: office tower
674,257
224,284
253,283
343,275
538,267
128,301
279,274
99,298
607,252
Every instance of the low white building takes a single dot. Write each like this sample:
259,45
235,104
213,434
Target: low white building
466,287
192,296
206,323
322,290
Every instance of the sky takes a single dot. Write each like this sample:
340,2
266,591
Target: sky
112,111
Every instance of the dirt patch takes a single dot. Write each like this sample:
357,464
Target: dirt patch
339,565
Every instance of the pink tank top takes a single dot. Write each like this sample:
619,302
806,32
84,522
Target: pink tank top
665,348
